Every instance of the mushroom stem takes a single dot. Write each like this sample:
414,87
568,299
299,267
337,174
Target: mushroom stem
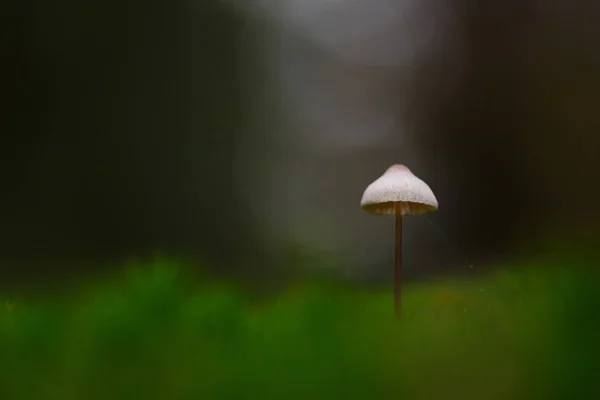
398,260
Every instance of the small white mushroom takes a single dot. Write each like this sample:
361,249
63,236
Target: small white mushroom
398,192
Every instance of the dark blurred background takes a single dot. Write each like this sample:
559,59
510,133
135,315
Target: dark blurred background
244,133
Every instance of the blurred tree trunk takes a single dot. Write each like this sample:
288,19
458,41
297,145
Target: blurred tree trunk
522,130
122,121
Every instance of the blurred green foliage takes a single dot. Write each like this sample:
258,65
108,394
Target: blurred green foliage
523,333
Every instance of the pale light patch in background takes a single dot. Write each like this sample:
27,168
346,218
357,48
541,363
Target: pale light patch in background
335,105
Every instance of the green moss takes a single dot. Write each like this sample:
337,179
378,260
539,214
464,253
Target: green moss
516,334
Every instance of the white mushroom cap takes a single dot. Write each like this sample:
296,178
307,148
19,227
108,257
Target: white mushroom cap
398,185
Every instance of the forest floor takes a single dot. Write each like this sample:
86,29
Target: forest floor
520,333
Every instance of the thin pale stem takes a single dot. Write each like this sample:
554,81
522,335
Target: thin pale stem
398,260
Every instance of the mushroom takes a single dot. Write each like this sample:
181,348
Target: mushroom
398,192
